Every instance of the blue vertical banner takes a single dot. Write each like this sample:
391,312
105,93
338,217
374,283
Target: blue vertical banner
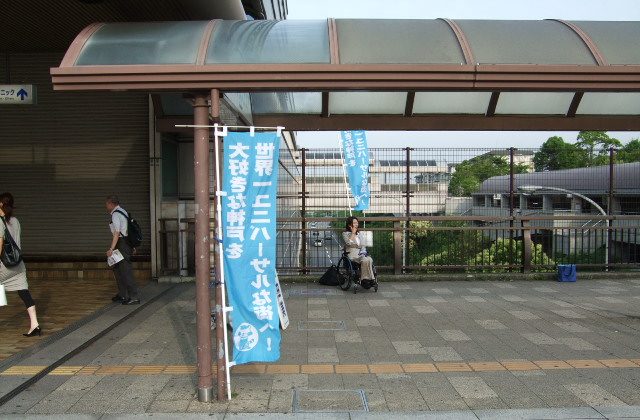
356,158
250,185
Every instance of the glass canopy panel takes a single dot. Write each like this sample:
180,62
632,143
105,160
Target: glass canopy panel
524,42
539,103
451,102
241,102
397,41
286,102
175,104
617,41
143,43
260,41
367,102
605,103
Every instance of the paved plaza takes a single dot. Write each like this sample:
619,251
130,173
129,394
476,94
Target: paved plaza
450,349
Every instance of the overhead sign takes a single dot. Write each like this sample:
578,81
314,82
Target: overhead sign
17,94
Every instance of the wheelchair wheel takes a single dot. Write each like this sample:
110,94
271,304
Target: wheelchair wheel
345,273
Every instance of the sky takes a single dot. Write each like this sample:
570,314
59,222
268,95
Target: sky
460,9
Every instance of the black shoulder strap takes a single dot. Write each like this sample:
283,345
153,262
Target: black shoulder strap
122,213
6,229
126,217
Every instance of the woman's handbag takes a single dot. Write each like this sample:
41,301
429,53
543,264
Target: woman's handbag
10,254
3,296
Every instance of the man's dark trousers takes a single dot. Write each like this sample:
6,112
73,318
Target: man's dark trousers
123,271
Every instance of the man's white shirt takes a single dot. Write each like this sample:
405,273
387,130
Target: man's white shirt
119,222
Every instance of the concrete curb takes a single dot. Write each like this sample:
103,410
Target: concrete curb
432,277
475,277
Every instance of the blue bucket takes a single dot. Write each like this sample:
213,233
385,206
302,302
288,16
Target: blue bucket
567,272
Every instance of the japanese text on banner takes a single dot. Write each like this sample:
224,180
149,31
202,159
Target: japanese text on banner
356,159
249,243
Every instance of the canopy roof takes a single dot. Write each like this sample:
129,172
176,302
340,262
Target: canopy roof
376,74
50,26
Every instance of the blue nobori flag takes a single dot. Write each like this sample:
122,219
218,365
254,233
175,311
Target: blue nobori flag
249,243
356,159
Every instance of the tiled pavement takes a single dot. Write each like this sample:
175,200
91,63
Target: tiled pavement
411,347
59,303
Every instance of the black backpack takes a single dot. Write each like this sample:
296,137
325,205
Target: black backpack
330,277
134,233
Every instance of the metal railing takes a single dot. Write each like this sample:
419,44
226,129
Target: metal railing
429,213
443,243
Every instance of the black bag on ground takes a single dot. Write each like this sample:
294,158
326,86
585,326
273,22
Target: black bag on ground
10,254
134,233
330,277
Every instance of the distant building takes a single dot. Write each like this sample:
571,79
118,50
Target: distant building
567,236
493,196
428,182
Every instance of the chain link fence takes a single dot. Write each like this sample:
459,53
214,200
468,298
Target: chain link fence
462,209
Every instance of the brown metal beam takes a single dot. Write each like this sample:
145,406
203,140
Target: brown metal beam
279,68
204,42
575,103
431,122
465,46
74,50
325,104
452,122
328,77
591,46
377,85
493,103
334,48
408,108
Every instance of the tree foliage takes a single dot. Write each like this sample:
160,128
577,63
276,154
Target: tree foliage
504,252
630,152
453,244
472,172
478,253
596,146
555,154
590,149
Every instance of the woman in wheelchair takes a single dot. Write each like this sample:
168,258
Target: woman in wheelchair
357,253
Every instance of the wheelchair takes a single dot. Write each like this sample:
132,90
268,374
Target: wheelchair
349,275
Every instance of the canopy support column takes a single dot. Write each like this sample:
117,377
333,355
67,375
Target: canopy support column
203,263
221,359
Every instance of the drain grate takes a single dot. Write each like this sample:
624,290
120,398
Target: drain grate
312,292
329,401
321,326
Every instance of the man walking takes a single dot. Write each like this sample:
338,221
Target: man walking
123,271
